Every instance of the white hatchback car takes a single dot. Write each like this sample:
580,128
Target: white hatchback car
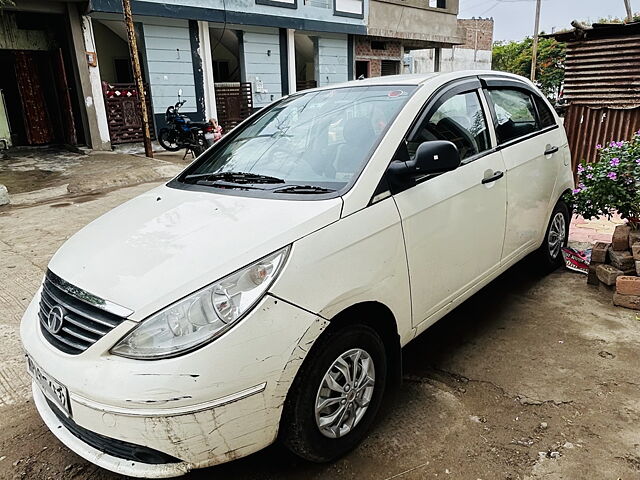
267,291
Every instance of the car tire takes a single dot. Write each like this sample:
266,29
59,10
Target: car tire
300,428
549,255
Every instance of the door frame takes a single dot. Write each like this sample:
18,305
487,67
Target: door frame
467,84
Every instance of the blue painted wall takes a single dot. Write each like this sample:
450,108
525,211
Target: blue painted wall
332,60
261,48
169,63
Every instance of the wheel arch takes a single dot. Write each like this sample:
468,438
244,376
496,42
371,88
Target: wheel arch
379,317
373,314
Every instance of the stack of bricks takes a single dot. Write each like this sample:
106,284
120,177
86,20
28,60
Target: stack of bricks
618,264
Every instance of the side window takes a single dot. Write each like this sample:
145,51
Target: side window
460,120
515,113
544,113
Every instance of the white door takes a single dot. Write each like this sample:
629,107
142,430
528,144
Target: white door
453,223
529,138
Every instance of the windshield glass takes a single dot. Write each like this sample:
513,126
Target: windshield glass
318,139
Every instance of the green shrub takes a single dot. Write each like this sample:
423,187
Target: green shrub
612,184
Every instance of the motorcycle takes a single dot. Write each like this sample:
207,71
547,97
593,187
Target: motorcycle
181,132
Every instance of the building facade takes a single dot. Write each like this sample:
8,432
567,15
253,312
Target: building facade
397,27
231,57
474,54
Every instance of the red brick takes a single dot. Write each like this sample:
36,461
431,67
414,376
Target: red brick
634,237
599,252
592,276
622,260
627,285
627,301
620,240
607,274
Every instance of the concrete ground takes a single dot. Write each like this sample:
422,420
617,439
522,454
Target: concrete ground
531,378
34,175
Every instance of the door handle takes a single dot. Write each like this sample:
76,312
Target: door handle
496,176
551,150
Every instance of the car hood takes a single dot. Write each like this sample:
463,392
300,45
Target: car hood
167,243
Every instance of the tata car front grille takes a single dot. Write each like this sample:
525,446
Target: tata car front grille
69,317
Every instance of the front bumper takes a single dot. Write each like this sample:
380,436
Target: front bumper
104,460
218,403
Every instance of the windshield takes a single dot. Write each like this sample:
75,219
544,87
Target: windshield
319,140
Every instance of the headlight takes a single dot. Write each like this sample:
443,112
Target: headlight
203,315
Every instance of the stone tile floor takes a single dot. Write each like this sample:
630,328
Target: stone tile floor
592,231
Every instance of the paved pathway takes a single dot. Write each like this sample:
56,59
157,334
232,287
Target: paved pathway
592,231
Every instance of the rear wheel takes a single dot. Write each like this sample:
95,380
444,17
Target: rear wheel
168,139
336,394
549,255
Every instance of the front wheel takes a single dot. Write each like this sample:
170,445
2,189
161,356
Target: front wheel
336,394
549,255
168,139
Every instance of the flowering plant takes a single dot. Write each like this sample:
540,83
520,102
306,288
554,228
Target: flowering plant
611,185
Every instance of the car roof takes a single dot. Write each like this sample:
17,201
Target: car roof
422,78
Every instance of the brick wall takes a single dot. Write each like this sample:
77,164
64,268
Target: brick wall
392,51
484,29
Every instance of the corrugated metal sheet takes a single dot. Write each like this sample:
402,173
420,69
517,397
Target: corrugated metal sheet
602,85
587,127
604,72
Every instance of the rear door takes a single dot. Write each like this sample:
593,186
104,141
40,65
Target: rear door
529,140
453,223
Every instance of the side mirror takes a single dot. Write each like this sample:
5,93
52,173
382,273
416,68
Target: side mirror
437,156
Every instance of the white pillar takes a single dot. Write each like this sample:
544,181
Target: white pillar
291,59
207,70
97,96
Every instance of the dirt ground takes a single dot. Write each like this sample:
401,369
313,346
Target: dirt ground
531,378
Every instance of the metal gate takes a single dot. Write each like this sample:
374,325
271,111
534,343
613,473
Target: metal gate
234,103
123,112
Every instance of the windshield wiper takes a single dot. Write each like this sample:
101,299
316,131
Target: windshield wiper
303,189
235,177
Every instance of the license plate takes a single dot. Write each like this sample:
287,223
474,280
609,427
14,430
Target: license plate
54,390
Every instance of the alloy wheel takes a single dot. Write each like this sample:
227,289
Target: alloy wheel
345,393
557,234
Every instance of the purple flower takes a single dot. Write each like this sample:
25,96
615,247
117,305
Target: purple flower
598,147
612,175
590,176
581,186
580,168
576,190
589,167
614,162
638,160
612,144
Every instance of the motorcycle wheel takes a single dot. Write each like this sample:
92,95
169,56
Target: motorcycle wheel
167,138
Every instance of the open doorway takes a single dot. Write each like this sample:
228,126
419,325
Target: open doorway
362,69
113,51
39,90
225,54
305,47
121,99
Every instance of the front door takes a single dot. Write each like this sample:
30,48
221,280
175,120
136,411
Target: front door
453,223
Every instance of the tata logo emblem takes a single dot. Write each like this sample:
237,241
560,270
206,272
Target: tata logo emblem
55,319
